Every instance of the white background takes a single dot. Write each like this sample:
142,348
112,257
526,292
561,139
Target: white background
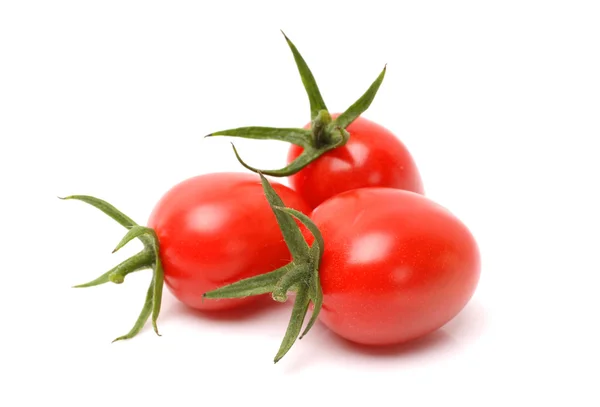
499,103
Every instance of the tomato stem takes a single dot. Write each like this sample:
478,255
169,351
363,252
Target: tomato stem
301,275
325,134
317,104
320,126
147,258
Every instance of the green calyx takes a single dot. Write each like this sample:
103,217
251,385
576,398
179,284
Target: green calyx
301,275
148,258
325,133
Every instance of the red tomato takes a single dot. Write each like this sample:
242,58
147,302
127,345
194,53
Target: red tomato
372,157
396,265
216,229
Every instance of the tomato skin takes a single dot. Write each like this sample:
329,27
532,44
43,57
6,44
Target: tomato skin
372,157
396,265
216,229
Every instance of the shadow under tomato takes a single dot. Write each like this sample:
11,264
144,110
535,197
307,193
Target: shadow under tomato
329,348
470,322
428,343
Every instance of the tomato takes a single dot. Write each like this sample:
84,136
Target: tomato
372,157
396,265
216,229
335,153
204,233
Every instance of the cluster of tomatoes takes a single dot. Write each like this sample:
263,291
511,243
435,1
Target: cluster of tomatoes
354,236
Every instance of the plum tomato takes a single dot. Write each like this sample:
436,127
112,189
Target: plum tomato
204,233
396,265
336,153
380,266
372,157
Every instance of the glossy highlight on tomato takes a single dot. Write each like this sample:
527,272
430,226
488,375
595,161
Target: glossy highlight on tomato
396,265
216,229
372,157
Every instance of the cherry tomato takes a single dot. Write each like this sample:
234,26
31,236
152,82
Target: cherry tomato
396,265
216,229
372,157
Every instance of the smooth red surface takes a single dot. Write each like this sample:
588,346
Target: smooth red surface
216,229
372,157
396,265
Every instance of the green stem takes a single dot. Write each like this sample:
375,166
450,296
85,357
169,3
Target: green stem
320,131
139,261
300,275
149,257
325,134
